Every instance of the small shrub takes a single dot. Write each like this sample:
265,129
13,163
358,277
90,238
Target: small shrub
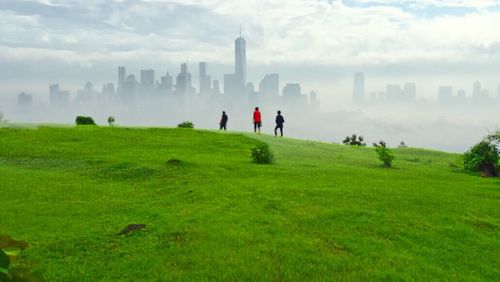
482,157
262,154
81,120
384,154
111,120
403,145
354,140
186,124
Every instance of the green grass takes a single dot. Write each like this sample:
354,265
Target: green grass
322,212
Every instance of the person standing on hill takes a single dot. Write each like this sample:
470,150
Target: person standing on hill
279,124
223,121
257,120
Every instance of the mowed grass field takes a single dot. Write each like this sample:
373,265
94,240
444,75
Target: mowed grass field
322,212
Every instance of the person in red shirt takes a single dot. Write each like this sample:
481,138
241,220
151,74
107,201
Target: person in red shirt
257,120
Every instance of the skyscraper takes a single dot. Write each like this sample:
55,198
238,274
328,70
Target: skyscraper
24,100
165,83
358,94
128,90
230,87
270,85
291,91
445,94
313,101
394,93
148,80
216,87
410,91
108,91
240,62
204,79
54,94
57,97
121,78
183,83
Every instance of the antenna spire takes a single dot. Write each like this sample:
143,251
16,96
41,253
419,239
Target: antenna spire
240,30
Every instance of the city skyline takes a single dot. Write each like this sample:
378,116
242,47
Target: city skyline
406,70
320,43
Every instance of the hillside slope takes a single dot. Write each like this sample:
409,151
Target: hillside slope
322,212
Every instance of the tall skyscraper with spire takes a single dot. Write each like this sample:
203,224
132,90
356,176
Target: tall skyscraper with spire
240,59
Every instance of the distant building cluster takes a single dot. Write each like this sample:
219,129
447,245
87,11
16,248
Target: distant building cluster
395,93
447,96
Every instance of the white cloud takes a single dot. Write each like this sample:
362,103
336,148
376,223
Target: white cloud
278,32
436,3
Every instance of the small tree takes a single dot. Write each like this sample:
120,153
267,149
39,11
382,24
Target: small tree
483,157
81,120
111,120
262,154
354,140
403,145
384,154
186,124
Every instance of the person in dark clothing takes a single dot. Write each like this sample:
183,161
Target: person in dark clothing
223,121
279,124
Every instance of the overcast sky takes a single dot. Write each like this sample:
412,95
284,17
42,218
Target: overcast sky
319,43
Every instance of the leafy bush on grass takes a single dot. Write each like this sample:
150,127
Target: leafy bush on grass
482,157
81,120
262,154
354,140
186,124
111,120
384,154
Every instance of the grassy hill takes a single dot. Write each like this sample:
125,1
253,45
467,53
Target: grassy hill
322,212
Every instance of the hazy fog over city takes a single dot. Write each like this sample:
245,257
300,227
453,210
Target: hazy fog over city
423,72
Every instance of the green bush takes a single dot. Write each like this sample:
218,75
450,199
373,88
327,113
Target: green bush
354,140
384,154
81,120
186,124
482,157
262,154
